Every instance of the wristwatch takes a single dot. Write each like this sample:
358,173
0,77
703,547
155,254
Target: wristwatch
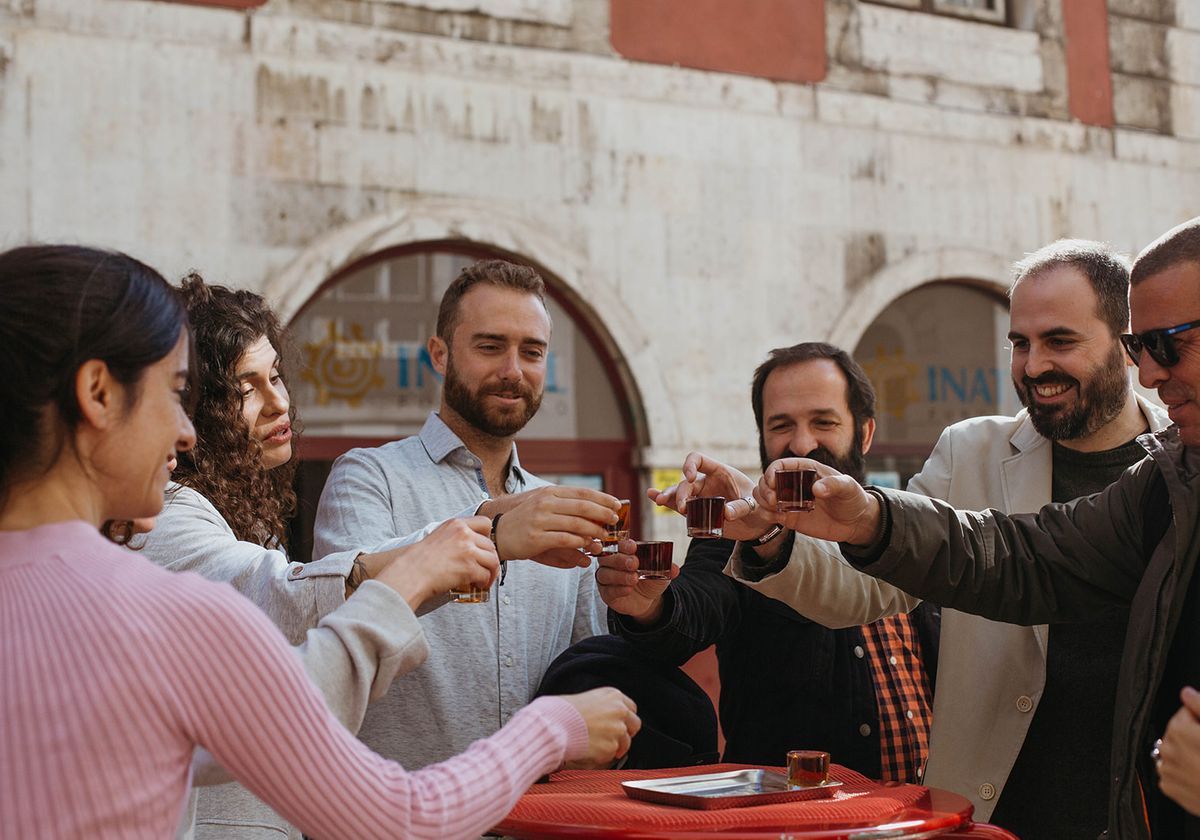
773,532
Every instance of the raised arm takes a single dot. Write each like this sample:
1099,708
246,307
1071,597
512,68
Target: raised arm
813,578
191,536
693,612
1063,563
817,582
245,698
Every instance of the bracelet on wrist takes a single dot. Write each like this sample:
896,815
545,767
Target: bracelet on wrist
358,574
496,544
773,532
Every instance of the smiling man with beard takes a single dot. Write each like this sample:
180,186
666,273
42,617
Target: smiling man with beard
860,693
1015,703
486,660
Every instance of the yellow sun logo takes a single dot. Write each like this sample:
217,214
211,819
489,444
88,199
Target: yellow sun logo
343,368
895,381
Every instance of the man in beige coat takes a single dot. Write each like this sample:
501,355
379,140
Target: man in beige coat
1022,715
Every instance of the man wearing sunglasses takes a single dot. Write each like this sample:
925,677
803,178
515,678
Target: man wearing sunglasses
1134,547
1013,702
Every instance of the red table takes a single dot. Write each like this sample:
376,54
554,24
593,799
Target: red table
577,804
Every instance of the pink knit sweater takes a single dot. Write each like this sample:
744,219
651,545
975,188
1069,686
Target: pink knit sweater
112,670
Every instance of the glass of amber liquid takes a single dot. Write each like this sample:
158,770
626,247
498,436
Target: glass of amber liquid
654,559
469,595
705,517
618,531
807,768
794,490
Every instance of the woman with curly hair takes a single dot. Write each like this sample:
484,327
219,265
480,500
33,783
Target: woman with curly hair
224,517
113,671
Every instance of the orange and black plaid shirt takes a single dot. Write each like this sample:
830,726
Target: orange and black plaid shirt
902,694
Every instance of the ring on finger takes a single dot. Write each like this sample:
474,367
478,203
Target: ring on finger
750,501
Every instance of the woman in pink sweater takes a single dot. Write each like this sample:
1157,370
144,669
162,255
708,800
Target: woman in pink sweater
112,670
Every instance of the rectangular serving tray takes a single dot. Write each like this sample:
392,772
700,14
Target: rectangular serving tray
734,789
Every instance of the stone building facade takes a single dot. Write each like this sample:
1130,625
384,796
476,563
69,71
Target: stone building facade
699,180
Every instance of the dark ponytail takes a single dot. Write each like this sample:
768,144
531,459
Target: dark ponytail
60,306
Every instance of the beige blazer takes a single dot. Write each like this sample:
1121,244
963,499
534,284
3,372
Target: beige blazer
990,675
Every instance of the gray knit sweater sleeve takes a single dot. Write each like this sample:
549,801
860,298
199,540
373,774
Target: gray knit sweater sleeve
191,535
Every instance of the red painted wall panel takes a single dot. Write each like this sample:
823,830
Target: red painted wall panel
1089,75
774,39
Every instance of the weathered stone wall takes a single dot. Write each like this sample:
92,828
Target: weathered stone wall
703,217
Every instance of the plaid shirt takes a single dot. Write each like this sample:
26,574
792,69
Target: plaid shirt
902,693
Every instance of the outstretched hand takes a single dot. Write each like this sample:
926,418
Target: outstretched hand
620,588
705,476
552,525
611,720
843,511
458,553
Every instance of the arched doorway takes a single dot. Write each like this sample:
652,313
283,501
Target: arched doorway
365,376
936,355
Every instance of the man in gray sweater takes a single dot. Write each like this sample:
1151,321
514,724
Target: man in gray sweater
486,660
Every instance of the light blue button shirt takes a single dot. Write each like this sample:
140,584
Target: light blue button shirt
485,660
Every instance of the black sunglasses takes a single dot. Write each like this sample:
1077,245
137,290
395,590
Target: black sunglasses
1160,344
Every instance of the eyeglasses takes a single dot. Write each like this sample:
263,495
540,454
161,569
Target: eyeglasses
1160,344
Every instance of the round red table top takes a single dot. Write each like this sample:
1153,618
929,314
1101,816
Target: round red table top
577,804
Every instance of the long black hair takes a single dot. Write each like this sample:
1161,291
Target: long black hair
61,306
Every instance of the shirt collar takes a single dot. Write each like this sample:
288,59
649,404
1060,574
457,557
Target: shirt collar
440,443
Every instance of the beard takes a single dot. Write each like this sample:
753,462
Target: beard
471,406
853,462
1098,400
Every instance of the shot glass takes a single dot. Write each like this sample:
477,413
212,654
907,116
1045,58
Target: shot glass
654,560
469,595
807,768
613,534
705,516
794,490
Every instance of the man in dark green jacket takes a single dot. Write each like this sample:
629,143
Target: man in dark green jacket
1134,545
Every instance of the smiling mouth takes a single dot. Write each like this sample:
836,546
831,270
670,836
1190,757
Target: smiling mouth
1048,391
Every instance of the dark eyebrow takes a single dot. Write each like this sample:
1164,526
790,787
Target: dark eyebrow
250,374
503,339
1053,332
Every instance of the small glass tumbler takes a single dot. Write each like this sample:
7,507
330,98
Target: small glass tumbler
613,534
794,490
705,516
469,595
807,768
654,560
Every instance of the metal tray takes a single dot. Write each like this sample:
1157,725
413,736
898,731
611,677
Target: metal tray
734,789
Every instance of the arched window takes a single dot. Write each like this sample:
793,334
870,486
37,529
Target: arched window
936,355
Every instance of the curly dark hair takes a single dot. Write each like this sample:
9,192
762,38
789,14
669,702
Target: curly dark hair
226,466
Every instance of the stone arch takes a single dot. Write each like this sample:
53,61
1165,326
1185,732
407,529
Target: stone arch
486,225
985,270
